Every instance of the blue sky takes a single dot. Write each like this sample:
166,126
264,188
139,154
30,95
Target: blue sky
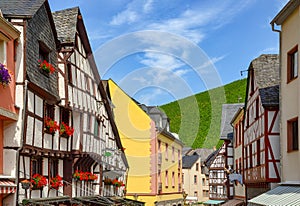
162,50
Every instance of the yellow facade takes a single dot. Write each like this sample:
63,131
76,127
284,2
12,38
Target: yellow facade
139,138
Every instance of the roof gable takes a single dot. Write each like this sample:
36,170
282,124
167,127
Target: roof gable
228,111
20,8
189,161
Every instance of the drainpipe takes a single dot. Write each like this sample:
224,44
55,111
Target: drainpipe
22,139
280,102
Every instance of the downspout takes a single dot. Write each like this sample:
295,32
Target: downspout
22,140
280,102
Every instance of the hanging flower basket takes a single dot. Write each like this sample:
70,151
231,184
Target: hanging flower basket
38,181
51,126
5,76
56,182
46,67
26,184
65,130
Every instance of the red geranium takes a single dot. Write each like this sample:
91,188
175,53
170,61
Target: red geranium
38,181
56,182
50,125
65,129
46,66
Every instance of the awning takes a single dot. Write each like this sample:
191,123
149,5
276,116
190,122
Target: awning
281,195
213,202
7,187
112,174
234,202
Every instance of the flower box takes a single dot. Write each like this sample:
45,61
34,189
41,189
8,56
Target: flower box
46,67
84,176
5,76
56,182
65,130
50,126
38,181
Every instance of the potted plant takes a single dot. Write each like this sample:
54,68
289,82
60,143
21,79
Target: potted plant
26,184
46,67
56,182
50,125
38,181
65,130
5,77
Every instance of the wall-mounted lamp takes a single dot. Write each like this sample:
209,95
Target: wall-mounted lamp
99,104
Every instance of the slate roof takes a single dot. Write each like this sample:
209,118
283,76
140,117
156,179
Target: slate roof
228,112
65,22
266,70
189,161
202,152
270,96
20,7
267,78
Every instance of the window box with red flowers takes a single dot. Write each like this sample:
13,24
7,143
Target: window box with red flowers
38,181
56,182
50,125
107,181
84,176
5,76
65,130
46,67
117,183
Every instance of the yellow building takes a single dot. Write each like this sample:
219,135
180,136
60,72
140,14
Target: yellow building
152,151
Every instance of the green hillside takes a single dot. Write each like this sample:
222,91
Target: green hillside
197,118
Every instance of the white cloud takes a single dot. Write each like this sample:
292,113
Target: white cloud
148,6
148,97
126,16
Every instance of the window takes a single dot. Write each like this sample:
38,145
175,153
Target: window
173,179
36,166
49,111
195,179
195,194
65,116
203,181
246,159
258,151
97,128
182,178
293,139
250,156
159,146
166,179
3,52
292,64
53,165
43,51
256,108
173,154
166,152
197,166
69,70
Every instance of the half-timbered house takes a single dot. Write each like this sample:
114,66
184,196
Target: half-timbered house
221,162
9,113
65,138
95,146
261,126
